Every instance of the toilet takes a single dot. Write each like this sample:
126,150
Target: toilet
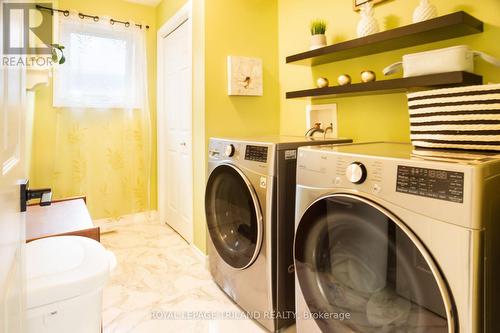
65,279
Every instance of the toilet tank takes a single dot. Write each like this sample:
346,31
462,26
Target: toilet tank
65,279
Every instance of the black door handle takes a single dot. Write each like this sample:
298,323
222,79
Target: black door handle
45,195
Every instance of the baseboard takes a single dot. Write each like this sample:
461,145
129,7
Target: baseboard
200,255
110,224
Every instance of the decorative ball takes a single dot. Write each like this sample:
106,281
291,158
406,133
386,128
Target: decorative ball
344,79
322,82
368,76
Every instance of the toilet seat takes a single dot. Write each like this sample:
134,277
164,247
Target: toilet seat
59,268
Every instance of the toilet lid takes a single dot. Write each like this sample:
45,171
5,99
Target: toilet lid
58,268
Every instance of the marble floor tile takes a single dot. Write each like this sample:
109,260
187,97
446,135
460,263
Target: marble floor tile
161,285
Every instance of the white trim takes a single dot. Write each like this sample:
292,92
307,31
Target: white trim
324,114
183,15
200,255
111,224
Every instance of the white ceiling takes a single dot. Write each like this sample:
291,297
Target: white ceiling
152,3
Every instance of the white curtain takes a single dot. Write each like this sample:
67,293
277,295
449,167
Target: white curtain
100,118
105,64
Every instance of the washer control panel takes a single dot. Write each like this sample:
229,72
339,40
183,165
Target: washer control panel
256,153
431,183
437,189
356,173
229,150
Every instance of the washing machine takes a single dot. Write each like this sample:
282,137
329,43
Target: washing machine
393,239
249,204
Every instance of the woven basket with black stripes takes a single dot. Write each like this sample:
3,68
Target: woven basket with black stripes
459,118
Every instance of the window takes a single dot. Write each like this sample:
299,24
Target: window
100,69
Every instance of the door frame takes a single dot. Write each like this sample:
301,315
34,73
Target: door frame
13,172
183,15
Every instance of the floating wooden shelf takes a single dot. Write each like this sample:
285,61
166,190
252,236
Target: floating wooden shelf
440,28
391,86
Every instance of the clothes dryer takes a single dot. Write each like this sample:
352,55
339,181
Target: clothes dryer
249,204
392,239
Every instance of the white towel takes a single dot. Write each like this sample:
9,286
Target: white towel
387,308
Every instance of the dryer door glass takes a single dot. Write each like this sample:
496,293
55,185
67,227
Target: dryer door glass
233,216
362,270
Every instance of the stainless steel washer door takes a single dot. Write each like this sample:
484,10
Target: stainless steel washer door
234,217
360,269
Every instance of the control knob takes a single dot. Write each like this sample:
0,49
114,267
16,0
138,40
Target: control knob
229,150
356,173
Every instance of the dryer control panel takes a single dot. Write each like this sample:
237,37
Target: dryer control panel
439,188
431,183
256,153
249,155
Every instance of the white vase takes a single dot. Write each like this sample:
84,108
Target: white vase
317,41
368,24
424,11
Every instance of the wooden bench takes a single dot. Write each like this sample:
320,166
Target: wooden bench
64,217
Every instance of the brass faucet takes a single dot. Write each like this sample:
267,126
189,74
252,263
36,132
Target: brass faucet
329,128
315,129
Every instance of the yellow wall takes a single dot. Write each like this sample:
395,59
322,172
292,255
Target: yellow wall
95,152
244,28
199,149
381,117
166,9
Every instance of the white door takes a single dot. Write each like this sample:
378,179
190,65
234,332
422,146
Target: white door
175,170
12,228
